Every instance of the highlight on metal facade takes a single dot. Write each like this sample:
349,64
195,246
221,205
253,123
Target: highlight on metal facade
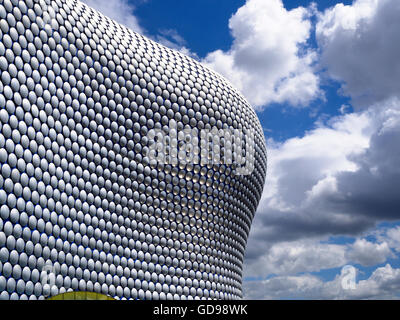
84,204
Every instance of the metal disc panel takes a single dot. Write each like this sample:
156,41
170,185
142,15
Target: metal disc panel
79,94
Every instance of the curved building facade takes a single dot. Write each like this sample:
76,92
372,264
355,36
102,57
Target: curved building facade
126,168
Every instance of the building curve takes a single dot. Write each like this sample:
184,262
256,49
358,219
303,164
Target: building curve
84,204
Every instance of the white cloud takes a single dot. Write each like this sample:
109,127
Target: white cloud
302,171
341,178
267,60
384,283
360,48
293,257
119,10
282,287
296,256
393,237
369,253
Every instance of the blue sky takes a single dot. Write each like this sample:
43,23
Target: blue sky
323,77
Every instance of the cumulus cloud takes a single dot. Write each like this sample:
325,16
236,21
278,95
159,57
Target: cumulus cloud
288,266
121,11
393,237
341,178
268,60
368,253
360,48
283,287
302,174
384,283
373,190
293,257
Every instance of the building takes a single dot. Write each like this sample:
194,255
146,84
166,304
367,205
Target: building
87,107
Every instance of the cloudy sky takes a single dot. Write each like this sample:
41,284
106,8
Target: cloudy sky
324,78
